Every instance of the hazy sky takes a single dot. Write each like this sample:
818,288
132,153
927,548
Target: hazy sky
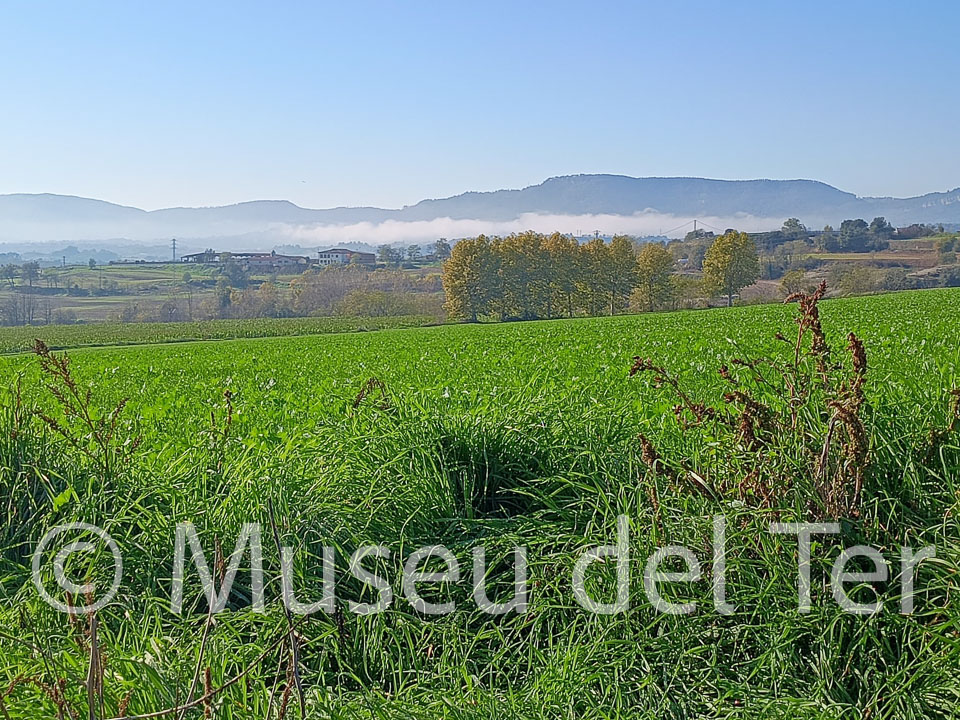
174,103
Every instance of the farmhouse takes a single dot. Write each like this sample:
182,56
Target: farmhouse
253,261
342,256
207,256
271,262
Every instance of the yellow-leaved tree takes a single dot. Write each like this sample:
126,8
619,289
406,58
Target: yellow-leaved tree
470,279
563,253
731,263
655,265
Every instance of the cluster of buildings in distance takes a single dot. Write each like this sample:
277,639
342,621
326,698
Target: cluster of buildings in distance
272,262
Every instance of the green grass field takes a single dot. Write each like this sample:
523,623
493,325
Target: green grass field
146,286
106,293
130,276
521,434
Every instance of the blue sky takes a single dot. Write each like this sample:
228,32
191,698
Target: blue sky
176,103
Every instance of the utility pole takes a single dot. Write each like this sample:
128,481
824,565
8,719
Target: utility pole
174,243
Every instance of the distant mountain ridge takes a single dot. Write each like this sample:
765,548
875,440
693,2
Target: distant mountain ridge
57,218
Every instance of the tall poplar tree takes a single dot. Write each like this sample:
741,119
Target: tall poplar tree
730,264
470,279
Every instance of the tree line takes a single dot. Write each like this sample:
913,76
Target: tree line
530,275
857,236
413,255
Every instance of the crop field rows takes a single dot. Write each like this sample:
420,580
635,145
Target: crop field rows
21,339
522,434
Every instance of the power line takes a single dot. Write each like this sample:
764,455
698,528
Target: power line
678,227
693,222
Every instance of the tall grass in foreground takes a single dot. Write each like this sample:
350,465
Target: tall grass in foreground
801,435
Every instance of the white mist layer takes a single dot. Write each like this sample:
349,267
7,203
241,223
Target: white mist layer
400,231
